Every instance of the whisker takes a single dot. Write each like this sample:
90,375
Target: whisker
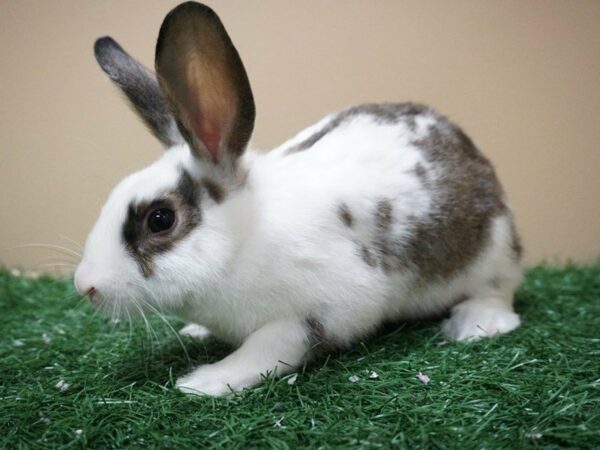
113,322
55,265
58,248
72,241
130,335
163,318
149,330
166,322
81,302
57,260
100,309
70,296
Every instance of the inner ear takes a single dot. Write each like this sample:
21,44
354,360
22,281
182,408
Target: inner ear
205,83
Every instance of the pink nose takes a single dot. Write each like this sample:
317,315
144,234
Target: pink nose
84,280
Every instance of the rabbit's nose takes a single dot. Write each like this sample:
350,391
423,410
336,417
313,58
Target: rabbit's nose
84,280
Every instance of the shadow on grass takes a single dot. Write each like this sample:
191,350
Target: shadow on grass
167,361
162,364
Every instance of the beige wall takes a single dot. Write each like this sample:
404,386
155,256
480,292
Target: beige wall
522,77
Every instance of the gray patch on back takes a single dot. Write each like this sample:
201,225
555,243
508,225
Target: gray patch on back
382,113
466,195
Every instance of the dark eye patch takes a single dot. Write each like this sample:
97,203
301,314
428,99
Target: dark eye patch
142,242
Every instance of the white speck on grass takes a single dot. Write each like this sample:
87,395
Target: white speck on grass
278,422
373,375
353,379
534,435
115,402
292,380
18,343
79,432
32,275
423,378
46,339
62,385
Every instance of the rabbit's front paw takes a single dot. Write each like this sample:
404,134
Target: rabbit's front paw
215,380
476,318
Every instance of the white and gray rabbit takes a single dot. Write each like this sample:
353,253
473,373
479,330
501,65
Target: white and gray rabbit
382,212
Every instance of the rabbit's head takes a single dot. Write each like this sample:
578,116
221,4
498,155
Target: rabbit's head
167,230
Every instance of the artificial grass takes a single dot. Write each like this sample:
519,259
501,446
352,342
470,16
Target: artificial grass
537,387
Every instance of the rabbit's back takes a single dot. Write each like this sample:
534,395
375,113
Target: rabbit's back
409,185
390,207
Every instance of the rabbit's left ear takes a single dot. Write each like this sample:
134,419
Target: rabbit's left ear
140,87
205,83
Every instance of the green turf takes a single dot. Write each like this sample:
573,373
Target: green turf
535,388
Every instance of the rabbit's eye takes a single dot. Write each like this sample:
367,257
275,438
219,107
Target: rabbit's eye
161,220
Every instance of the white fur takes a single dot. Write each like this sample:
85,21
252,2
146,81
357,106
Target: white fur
274,349
274,253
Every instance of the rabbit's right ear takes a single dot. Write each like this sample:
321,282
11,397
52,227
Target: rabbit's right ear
205,83
141,88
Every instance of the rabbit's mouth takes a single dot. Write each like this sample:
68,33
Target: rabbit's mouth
91,293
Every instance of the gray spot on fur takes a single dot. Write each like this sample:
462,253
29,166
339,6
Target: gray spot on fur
496,283
466,195
383,215
383,251
367,256
421,173
318,341
383,113
144,245
214,189
141,88
382,243
345,215
516,245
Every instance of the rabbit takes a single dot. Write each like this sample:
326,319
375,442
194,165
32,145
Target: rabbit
379,213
